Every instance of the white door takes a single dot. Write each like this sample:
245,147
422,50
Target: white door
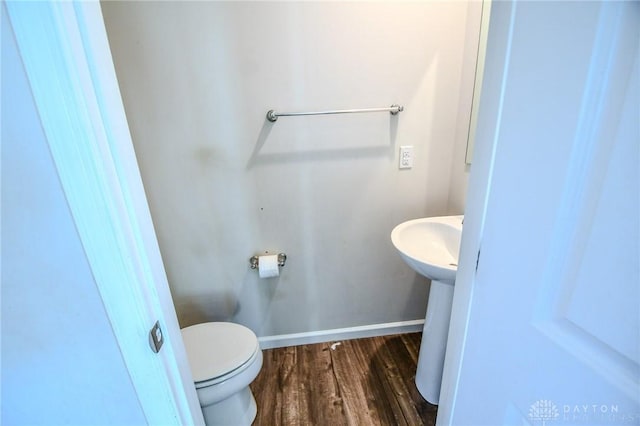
545,330
64,50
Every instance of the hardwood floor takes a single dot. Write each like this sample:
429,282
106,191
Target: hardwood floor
352,382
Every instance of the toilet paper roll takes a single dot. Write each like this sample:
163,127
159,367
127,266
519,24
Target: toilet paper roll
268,266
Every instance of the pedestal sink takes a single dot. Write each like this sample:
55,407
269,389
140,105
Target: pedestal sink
430,246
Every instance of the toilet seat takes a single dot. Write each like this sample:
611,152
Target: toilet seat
248,367
218,350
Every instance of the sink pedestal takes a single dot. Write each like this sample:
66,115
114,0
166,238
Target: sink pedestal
430,246
434,341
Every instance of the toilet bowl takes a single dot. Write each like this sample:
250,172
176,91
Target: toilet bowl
224,359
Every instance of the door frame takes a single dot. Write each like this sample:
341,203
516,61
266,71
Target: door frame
66,55
499,35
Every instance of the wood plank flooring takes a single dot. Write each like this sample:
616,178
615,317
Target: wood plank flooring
352,382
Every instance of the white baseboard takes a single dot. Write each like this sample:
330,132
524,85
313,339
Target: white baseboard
295,339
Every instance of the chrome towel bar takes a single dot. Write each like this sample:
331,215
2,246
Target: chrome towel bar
393,109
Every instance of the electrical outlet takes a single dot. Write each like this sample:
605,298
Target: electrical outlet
406,157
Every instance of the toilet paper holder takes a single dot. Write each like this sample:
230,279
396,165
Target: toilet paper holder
254,260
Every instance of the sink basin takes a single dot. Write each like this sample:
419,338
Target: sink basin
430,246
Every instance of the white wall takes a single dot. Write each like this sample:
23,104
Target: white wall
60,361
224,184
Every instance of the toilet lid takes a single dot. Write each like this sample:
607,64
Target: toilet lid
217,348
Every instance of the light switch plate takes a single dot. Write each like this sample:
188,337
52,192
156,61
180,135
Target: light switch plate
406,157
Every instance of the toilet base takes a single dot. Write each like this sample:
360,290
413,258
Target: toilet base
239,409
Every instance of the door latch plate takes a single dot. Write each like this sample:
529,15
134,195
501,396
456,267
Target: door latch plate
156,339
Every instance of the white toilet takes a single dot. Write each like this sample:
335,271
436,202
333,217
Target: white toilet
224,359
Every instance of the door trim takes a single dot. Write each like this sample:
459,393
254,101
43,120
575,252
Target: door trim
65,52
487,134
